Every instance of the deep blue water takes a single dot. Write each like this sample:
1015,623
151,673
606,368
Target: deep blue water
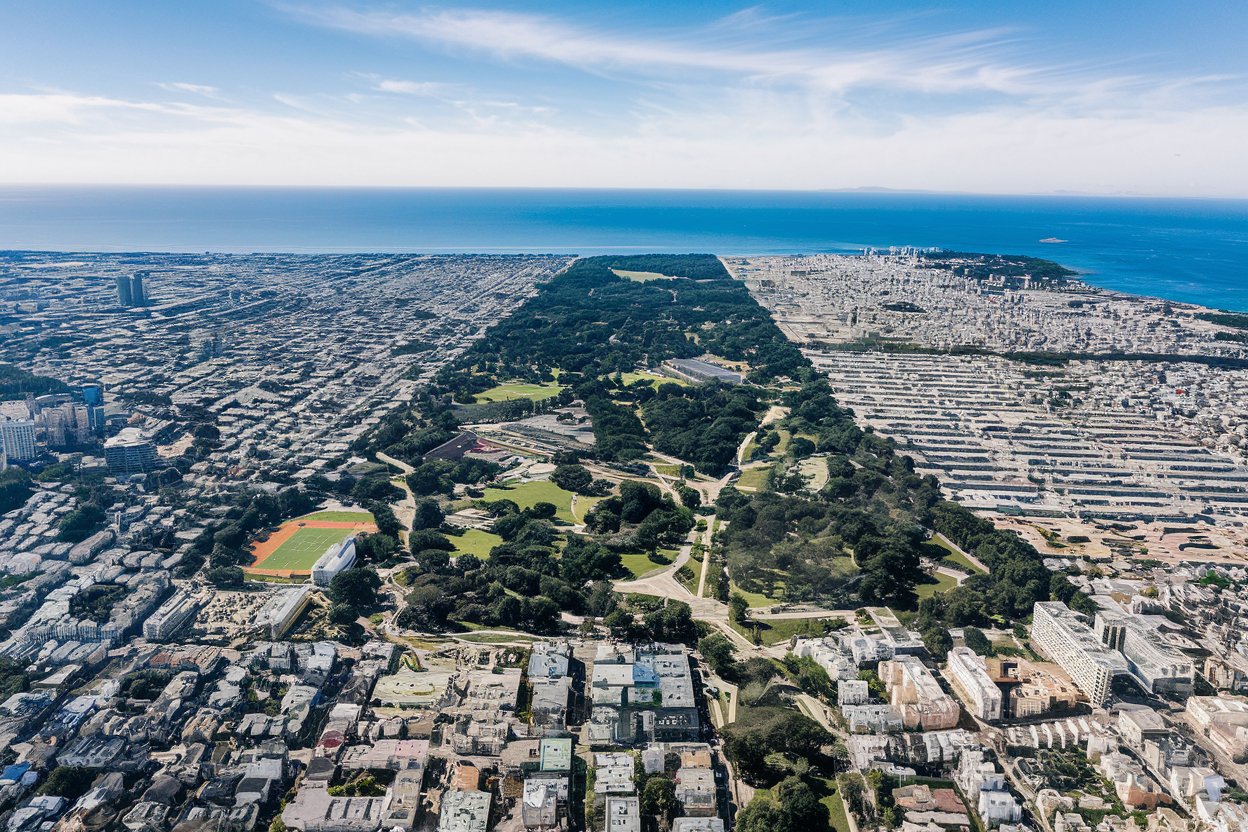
1186,250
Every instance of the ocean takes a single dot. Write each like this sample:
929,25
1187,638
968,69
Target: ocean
1187,250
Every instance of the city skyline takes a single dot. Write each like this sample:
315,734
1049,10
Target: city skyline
960,97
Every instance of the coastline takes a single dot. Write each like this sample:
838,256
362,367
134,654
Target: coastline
1189,251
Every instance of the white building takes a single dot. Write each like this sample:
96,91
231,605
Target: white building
282,610
968,676
623,814
1061,636
852,692
171,617
464,812
984,788
1159,667
337,557
17,438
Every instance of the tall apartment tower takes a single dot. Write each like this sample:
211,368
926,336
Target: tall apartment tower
138,297
17,436
124,298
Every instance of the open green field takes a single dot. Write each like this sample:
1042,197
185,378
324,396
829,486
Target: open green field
356,516
951,554
814,470
512,390
943,583
650,378
836,806
777,631
529,494
753,479
301,552
639,566
755,599
476,542
641,277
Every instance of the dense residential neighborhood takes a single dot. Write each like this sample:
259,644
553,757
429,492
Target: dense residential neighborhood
358,543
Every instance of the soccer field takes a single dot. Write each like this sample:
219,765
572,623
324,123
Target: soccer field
303,549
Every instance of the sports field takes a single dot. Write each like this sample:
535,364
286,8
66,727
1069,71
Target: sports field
296,546
513,390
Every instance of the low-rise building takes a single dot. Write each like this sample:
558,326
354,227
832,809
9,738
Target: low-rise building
464,811
968,676
916,694
337,557
171,617
622,814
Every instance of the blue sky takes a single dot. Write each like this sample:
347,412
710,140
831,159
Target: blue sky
1142,97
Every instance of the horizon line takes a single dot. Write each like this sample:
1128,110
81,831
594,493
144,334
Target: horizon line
864,189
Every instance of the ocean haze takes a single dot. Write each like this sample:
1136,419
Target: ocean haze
1180,249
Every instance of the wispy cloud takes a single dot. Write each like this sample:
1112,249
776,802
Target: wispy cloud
751,100
399,86
834,56
195,89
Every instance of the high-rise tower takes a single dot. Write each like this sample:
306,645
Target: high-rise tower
124,297
138,296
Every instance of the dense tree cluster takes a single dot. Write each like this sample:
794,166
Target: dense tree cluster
439,476
574,477
861,537
640,517
762,732
702,425
15,489
16,382
796,808
983,266
670,621
526,582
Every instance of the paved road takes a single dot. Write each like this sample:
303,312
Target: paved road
397,463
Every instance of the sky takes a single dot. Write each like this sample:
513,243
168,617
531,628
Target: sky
1146,97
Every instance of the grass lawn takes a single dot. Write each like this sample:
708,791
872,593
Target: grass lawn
943,584
952,555
583,505
781,630
640,565
814,470
753,479
512,390
641,277
357,516
495,638
782,446
528,494
755,599
303,549
476,542
695,566
647,377
666,469
836,807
